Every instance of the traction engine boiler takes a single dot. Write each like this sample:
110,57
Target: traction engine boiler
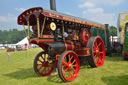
65,41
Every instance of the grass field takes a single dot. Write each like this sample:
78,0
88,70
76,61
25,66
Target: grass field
19,71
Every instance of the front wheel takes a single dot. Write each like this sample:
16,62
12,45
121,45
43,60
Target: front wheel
42,65
68,66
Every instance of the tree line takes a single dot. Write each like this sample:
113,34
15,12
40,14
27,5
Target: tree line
11,36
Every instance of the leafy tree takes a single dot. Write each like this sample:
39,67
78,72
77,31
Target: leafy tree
11,36
113,31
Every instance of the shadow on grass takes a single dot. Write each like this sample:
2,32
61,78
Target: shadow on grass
116,55
114,58
22,74
54,78
29,73
116,80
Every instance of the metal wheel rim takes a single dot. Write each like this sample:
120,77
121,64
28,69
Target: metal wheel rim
70,66
98,52
44,67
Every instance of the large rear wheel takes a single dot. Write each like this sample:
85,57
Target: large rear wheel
68,66
97,51
42,65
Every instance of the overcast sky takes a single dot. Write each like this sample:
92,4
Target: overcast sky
102,11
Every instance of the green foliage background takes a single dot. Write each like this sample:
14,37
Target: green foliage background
11,36
113,31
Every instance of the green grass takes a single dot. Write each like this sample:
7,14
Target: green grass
19,71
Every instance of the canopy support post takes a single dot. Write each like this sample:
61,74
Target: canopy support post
28,29
43,26
63,31
38,27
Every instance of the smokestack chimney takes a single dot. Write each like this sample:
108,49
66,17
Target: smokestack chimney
53,5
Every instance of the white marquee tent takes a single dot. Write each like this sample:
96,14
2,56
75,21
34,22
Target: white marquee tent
23,42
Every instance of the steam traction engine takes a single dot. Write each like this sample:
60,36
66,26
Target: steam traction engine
64,40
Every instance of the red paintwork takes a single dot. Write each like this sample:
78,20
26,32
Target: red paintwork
125,53
71,19
69,45
10,50
57,56
22,19
47,36
70,63
83,52
85,35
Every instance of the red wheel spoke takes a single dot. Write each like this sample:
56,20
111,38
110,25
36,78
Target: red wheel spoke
95,44
65,70
94,56
39,64
74,65
69,58
48,68
40,61
40,67
64,73
50,65
94,51
44,70
99,44
42,57
101,52
98,59
70,73
65,62
63,66
65,59
73,69
73,61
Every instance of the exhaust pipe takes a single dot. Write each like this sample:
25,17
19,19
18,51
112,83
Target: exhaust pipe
53,5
